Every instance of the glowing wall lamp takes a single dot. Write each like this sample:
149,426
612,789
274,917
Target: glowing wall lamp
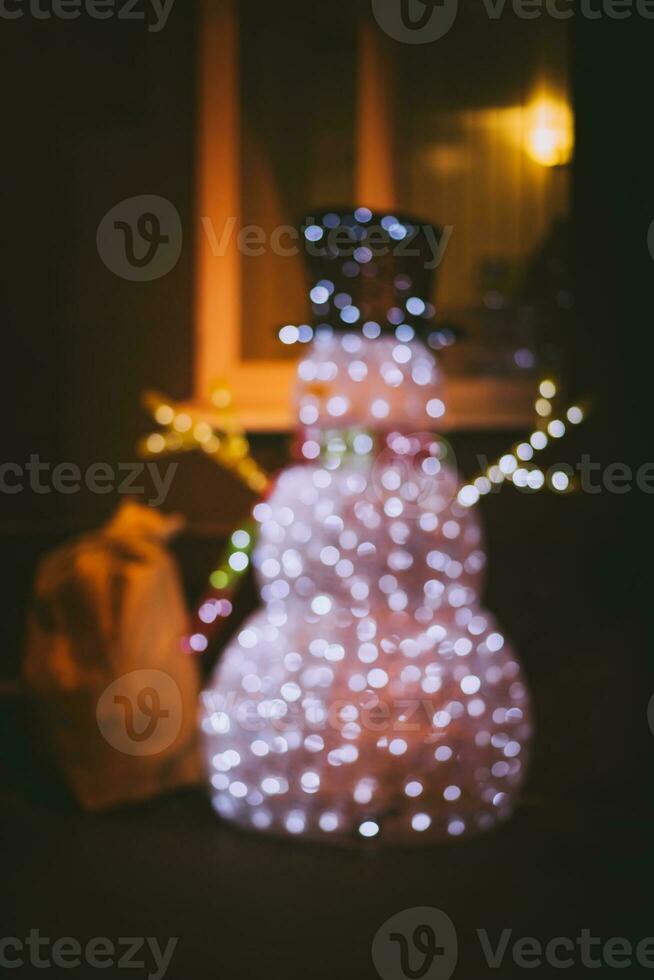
549,134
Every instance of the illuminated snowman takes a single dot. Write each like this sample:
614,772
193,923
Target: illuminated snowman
372,696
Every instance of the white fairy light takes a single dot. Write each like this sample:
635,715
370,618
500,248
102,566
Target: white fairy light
560,480
289,334
468,496
508,464
421,821
556,428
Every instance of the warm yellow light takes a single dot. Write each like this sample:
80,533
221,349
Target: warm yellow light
183,422
549,132
212,445
155,443
164,414
237,447
202,432
221,397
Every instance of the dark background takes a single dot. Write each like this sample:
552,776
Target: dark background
95,112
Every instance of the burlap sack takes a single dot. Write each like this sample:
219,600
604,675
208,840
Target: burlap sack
116,695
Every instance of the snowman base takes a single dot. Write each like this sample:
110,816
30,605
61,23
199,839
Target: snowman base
325,747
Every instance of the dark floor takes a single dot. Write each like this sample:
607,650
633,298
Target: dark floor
574,857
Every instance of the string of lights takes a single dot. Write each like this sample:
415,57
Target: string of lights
216,604
213,430
218,435
517,466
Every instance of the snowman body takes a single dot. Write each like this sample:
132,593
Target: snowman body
372,696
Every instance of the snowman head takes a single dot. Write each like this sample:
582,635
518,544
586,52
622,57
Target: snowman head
348,380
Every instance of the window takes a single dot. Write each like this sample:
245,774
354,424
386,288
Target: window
482,152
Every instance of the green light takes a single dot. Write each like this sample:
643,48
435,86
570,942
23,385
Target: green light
219,579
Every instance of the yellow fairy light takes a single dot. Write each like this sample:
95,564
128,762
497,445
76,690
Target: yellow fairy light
211,445
155,443
182,422
547,388
164,414
221,397
217,434
237,447
202,432
543,407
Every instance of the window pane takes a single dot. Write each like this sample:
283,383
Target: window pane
298,95
486,114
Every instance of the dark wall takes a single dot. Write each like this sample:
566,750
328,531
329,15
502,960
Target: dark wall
93,112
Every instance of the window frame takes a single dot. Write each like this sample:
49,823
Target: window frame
262,388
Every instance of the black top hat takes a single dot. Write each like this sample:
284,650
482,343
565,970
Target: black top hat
370,269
